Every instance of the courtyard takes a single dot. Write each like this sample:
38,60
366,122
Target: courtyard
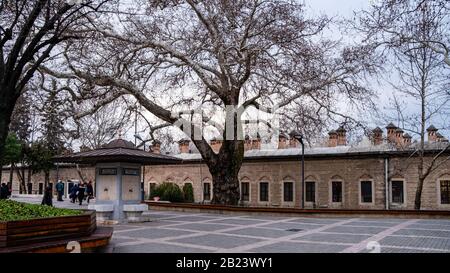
182,232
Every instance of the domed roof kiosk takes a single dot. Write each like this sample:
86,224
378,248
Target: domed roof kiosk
118,174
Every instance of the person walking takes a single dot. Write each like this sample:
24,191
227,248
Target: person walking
48,197
81,191
4,191
60,190
74,193
89,191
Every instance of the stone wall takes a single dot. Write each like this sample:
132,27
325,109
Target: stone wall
321,171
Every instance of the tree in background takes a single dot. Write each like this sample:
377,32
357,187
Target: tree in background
29,32
40,158
188,193
187,55
402,32
21,126
53,118
12,154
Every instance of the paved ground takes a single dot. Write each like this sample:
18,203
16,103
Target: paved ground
201,232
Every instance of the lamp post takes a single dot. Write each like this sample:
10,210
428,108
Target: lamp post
136,136
298,136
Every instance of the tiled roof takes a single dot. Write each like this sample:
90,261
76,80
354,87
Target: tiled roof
118,150
116,155
323,151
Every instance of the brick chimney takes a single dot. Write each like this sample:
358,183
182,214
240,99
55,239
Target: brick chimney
391,132
293,142
432,133
216,144
256,143
184,146
282,141
247,143
377,136
342,136
439,137
333,138
399,137
84,149
156,147
407,139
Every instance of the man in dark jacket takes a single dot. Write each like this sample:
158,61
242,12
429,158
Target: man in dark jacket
81,191
4,191
89,191
73,193
60,190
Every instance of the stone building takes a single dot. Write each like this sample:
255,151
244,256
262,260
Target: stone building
382,175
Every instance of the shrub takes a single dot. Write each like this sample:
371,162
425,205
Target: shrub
188,192
168,192
13,211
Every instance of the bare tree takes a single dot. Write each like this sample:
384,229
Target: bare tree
29,31
177,56
101,127
403,31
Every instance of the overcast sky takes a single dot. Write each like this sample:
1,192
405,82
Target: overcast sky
346,8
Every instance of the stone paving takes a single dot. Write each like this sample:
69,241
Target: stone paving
171,231
178,232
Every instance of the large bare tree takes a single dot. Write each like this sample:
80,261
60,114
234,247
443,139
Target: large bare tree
175,57
408,34
29,31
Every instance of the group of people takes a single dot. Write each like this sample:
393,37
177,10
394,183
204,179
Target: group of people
82,191
5,193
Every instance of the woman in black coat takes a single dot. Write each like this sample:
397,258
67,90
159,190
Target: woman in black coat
48,197
4,191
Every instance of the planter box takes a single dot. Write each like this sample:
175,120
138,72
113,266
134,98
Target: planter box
17,233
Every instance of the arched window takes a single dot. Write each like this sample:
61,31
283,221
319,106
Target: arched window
245,189
264,190
207,189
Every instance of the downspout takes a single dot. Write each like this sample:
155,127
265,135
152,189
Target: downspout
386,182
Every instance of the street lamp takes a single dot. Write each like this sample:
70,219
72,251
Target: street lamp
298,136
136,136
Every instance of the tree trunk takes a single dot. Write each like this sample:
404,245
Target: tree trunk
20,175
225,188
11,173
418,200
47,178
225,173
6,110
420,167
30,173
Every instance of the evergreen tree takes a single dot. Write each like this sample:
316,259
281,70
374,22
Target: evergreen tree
21,120
12,154
53,121
21,126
